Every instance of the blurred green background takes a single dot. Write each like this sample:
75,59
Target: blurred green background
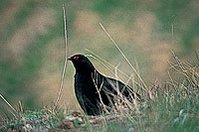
32,45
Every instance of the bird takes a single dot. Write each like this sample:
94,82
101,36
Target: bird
95,92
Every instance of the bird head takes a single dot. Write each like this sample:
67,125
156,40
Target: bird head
81,63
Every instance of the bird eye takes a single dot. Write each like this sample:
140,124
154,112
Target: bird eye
76,57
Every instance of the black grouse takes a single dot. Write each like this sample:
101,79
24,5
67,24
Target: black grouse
95,91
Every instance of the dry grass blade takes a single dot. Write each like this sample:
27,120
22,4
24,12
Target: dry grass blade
186,69
98,119
124,56
172,30
95,79
1,96
105,63
109,67
20,107
178,62
197,57
172,82
65,58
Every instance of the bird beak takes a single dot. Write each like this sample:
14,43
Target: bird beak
69,58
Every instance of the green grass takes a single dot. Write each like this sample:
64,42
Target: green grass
172,106
15,76
173,109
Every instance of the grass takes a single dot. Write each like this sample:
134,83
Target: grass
171,106
14,81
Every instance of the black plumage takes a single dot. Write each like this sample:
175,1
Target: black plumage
94,90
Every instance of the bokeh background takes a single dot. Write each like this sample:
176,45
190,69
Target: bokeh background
32,43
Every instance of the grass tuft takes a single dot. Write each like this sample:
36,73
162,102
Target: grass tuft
170,106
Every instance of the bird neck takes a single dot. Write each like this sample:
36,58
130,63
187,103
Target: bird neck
86,67
85,70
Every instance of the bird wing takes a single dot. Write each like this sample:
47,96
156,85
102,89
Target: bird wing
117,86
